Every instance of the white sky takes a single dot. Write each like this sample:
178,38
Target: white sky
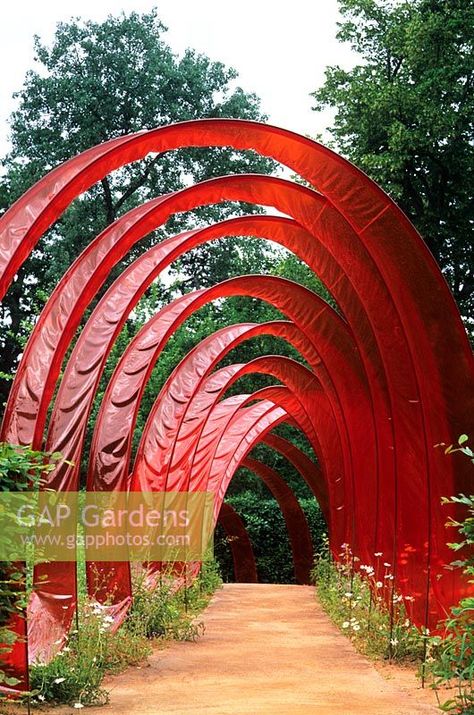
279,47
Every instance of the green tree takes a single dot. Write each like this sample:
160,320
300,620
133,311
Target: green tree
97,81
404,114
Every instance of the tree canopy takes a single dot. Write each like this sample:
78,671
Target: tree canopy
404,114
97,81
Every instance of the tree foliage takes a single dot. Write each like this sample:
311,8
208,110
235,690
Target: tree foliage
404,114
98,81
266,528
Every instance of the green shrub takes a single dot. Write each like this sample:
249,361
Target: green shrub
163,612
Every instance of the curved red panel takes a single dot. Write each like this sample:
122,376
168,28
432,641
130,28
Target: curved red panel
245,568
167,415
117,575
310,471
295,519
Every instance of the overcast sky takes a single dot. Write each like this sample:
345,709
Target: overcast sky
280,49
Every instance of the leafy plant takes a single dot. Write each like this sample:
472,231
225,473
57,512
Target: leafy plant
453,665
163,611
75,674
21,469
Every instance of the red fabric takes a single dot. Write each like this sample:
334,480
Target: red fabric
309,471
402,317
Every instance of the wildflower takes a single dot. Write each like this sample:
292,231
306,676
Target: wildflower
407,622
389,576
387,565
78,706
348,594
356,627
379,584
58,642
59,680
394,641
378,553
66,649
108,619
346,624
409,598
41,697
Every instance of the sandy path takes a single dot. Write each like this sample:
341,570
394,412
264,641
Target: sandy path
267,649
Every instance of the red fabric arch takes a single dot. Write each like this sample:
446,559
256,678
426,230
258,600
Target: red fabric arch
404,322
223,341
245,568
309,471
295,519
